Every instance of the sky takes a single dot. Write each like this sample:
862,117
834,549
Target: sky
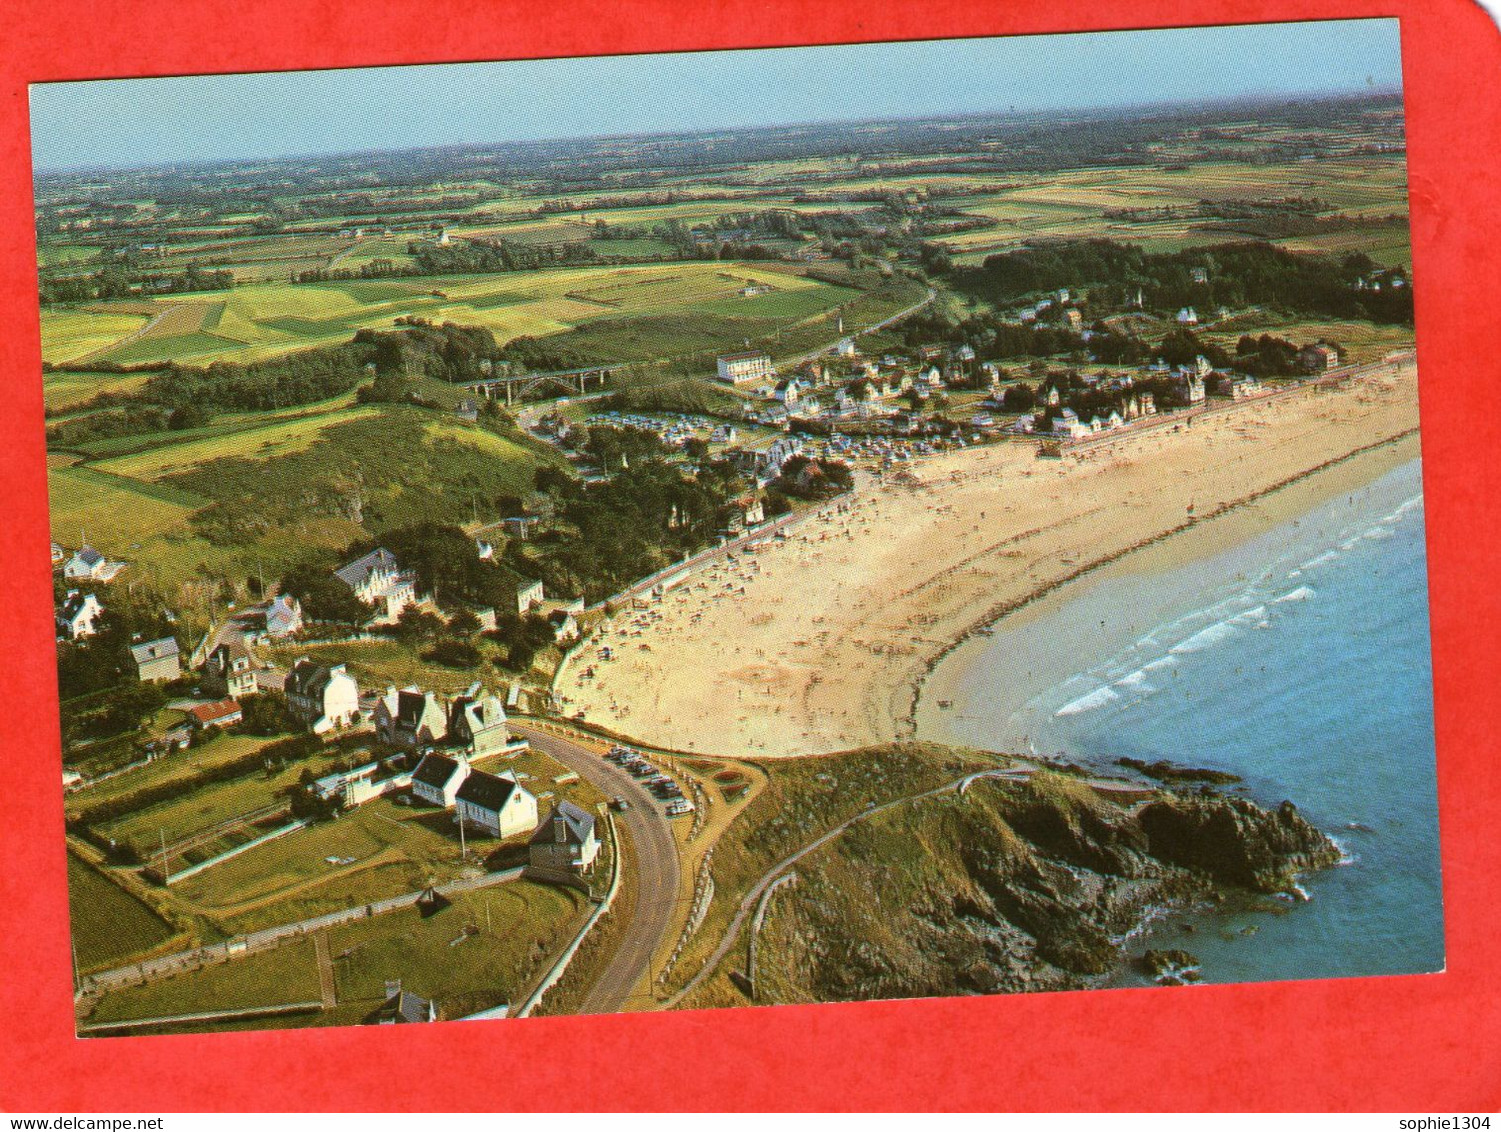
135,122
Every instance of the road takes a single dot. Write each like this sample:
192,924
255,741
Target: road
657,875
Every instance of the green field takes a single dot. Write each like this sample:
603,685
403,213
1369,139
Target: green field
115,513
267,442
263,319
109,925
69,333
207,807
281,975
482,950
522,927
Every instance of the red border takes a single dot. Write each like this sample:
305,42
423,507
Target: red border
1417,1043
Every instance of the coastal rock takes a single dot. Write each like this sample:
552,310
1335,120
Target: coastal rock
1235,841
1021,885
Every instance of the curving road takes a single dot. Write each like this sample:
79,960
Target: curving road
657,873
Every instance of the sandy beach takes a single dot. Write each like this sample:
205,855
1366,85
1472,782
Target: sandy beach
819,642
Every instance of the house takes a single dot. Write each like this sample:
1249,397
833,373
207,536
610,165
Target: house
566,841
410,718
786,391
485,550
89,565
478,723
283,617
400,1006
378,580
1068,424
1199,274
1244,387
230,669
845,348
76,618
1073,320
1187,316
521,526
528,591
752,510
322,696
351,787
467,410
496,803
742,368
437,778
156,660
565,629
1319,358
224,713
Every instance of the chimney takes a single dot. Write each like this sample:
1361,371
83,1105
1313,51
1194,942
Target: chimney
393,988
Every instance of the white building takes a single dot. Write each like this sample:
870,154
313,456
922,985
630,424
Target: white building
89,565
75,620
437,778
378,580
739,369
496,804
322,696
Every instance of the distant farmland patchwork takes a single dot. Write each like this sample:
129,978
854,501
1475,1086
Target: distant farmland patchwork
263,319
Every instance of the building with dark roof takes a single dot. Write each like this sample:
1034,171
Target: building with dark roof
403,1006
478,723
322,696
438,777
496,804
411,718
566,841
378,580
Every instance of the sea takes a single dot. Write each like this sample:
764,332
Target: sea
1299,659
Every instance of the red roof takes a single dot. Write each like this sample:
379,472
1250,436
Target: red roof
207,715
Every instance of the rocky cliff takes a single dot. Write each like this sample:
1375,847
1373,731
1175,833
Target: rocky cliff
1016,885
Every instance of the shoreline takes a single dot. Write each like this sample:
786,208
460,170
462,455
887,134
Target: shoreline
826,641
1227,528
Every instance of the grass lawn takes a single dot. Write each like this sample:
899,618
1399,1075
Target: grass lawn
210,806
219,749
522,926
280,975
63,390
109,924
373,838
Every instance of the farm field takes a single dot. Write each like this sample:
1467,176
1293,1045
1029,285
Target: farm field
109,925
64,390
122,513
261,320
264,443
70,333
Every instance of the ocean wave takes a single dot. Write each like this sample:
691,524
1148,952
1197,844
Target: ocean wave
1255,617
1302,593
1096,699
1136,681
1205,638
1320,560
1160,663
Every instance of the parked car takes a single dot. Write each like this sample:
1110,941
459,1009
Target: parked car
619,804
679,808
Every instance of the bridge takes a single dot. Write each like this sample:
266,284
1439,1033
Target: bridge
526,385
